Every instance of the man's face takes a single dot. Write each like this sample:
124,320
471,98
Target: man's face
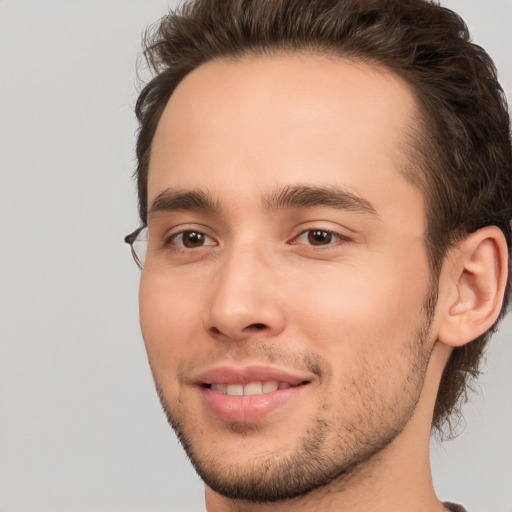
286,262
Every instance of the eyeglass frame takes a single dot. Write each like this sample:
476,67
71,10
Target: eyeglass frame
130,239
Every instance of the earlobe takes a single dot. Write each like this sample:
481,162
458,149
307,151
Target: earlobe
476,277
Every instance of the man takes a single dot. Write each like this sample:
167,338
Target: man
325,193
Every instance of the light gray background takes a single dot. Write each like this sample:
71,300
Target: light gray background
80,426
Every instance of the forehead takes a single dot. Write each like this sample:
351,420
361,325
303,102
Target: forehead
286,118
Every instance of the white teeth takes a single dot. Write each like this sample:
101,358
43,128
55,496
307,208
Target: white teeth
251,388
270,386
220,387
235,389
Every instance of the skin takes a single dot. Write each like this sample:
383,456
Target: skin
347,314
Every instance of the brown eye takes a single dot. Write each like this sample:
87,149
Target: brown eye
319,237
191,239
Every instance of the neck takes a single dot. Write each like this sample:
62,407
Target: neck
397,479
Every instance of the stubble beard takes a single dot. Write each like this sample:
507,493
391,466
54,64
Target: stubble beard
330,450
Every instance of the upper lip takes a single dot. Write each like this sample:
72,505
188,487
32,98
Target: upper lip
228,374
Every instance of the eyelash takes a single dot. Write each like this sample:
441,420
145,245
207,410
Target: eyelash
171,241
330,235
333,237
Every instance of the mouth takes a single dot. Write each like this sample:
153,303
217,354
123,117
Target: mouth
252,388
251,393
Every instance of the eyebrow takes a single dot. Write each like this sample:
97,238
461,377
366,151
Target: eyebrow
292,196
182,200
303,196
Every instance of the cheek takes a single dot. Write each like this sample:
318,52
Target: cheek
168,318
378,305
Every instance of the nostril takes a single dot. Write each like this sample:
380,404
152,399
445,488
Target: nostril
259,327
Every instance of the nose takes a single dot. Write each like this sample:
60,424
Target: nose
246,301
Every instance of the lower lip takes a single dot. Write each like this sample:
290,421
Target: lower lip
248,408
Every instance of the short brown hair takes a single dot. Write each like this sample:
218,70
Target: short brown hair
461,147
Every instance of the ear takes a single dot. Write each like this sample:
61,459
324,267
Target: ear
472,286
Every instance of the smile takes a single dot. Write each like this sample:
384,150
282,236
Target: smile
251,388
250,393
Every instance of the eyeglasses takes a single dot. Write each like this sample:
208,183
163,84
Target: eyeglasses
138,242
